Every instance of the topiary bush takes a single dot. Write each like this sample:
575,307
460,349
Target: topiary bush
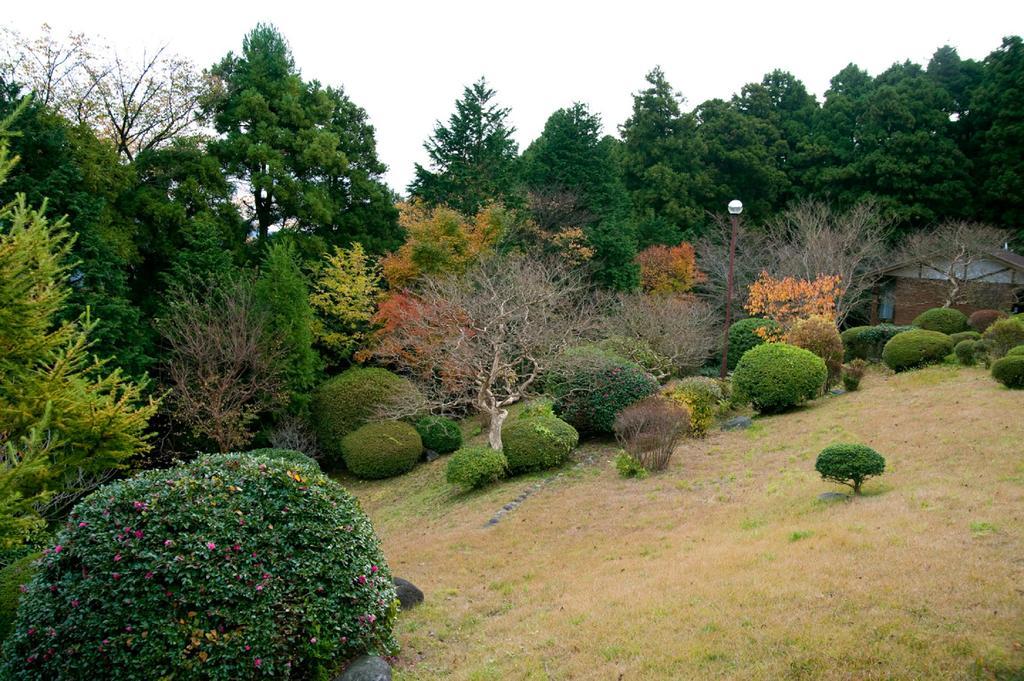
1003,335
537,443
916,348
849,464
964,335
590,394
439,434
942,319
231,567
982,319
541,406
475,467
12,579
702,397
1015,352
381,450
287,455
820,336
352,399
776,376
1009,371
743,336
964,351
866,342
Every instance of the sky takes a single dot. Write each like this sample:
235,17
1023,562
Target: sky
407,62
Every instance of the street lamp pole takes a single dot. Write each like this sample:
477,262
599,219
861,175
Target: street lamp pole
735,208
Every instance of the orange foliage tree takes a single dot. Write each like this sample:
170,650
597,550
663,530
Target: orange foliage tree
668,269
789,299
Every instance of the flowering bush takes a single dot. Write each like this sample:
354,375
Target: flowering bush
12,579
439,434
590,394
776,376
942,319
537,443
231,567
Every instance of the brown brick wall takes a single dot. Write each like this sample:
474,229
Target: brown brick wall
911,297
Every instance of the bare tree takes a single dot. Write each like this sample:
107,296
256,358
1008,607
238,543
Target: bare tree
650,429
752,257
224,370
137,105
810,239
683,329
951,252
481,340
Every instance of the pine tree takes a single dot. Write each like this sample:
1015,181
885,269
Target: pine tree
473,158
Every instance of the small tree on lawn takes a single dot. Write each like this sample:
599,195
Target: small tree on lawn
481,340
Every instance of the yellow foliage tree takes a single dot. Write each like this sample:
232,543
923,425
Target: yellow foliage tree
345,297
789,299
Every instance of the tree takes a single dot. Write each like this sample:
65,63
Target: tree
306,153
661,169
752,256
473,158
665,269
223,367
482,340
681,328
282,292
790,299
345,298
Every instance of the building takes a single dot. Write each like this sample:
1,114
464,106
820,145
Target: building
905,290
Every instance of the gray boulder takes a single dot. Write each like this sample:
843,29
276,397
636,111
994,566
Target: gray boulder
409,596
366,668
738,423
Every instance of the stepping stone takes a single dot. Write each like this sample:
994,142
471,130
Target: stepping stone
829,497
738,423
367,668
409,595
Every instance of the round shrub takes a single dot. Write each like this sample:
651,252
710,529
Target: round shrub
12,578
849,464
542,406
381,450
701,396
964,351
964,335
351,399
982,319
942,319
916,348
1003,335
589,394
1009,371
743,336
776,376
1015,352
866,342
820,336
289,456
231,567
439,434
475,467
538,443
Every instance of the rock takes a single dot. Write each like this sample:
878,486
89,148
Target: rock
836,391
829,497
408,595
366,668
430,455
738,423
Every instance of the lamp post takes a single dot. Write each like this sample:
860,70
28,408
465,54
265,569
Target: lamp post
735,208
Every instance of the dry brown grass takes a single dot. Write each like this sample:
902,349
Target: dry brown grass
726,565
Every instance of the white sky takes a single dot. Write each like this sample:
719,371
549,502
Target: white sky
407,62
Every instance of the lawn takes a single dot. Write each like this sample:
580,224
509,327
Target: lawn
727,565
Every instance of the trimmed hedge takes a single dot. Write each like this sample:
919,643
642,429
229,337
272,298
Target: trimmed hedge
439,434
475,467
743,336
537,443
912,349
1015,351
942,319
866,342
776,376
982,319
1009,371
964,335
230,567
1002,336
964,351
849,464
590,395
352,399
289,456
382,450
12,578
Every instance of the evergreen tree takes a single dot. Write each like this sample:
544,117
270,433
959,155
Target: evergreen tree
473,158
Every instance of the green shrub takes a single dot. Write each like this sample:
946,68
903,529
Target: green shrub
352,399
820,336
849,464
964,335
1009,371
629,467
776,376
230,567
542,406
982,319
866,342
439,434
743,336
381,450
289,456
1015,352
1003,335
964,351
942,319
475,467
12,578
853,373
590,394
537,443
702,397
916,348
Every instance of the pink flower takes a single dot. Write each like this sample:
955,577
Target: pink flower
313,640
116,575
210,545
140,505
259,587
83,524
167,542
248,648
58,548
74,602
361,579
117,557
257,662
373,569
138,534
149,575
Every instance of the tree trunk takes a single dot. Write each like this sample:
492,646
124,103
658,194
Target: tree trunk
494,430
